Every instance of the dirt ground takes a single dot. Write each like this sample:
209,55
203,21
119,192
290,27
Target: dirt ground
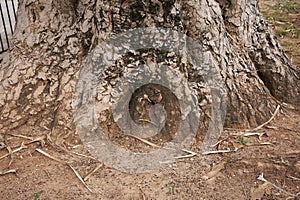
284,19
274,152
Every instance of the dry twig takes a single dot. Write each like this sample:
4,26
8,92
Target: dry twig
11,155
215,152
294,178
217,143
8,171
92,172
191,154
79,177
261,177
145,141
267,122
63,162
82,155
38,139
21,136
14,151
49,156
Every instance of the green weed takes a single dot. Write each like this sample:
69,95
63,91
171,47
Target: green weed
37,195
243,140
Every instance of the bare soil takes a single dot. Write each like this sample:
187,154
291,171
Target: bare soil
274,152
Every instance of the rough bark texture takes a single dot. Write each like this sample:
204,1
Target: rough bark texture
259,41
38,75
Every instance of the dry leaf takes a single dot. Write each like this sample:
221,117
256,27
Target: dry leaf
215,170
237,145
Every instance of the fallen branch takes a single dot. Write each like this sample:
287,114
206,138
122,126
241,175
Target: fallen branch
38,139
21,136
267,122
191,154
63,162
261,177
14,151
8,172
260,135
294,178
79,177
217,143
92,172
32,139
145,141
82,155
215,152
49,156
252,134
260,144
10,153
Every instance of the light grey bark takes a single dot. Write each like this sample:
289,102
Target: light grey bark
38,76
272,64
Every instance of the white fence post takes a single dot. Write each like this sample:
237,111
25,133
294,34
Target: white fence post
8,9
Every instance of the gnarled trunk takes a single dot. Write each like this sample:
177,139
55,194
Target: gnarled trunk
52,39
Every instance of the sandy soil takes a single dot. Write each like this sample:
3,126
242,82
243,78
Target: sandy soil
233,175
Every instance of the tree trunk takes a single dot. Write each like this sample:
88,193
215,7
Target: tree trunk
53,38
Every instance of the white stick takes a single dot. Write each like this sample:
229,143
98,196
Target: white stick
79,177
261,177
49,156
9,171
260,126
191,154
294,178
215,152
15,150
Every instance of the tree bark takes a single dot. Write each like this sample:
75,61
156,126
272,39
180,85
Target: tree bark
52,38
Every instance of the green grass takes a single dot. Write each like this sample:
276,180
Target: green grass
289,29
289,6
298,32
37,195
243,140
281,16
170,189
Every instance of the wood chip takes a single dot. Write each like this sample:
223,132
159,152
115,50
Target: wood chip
214,171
